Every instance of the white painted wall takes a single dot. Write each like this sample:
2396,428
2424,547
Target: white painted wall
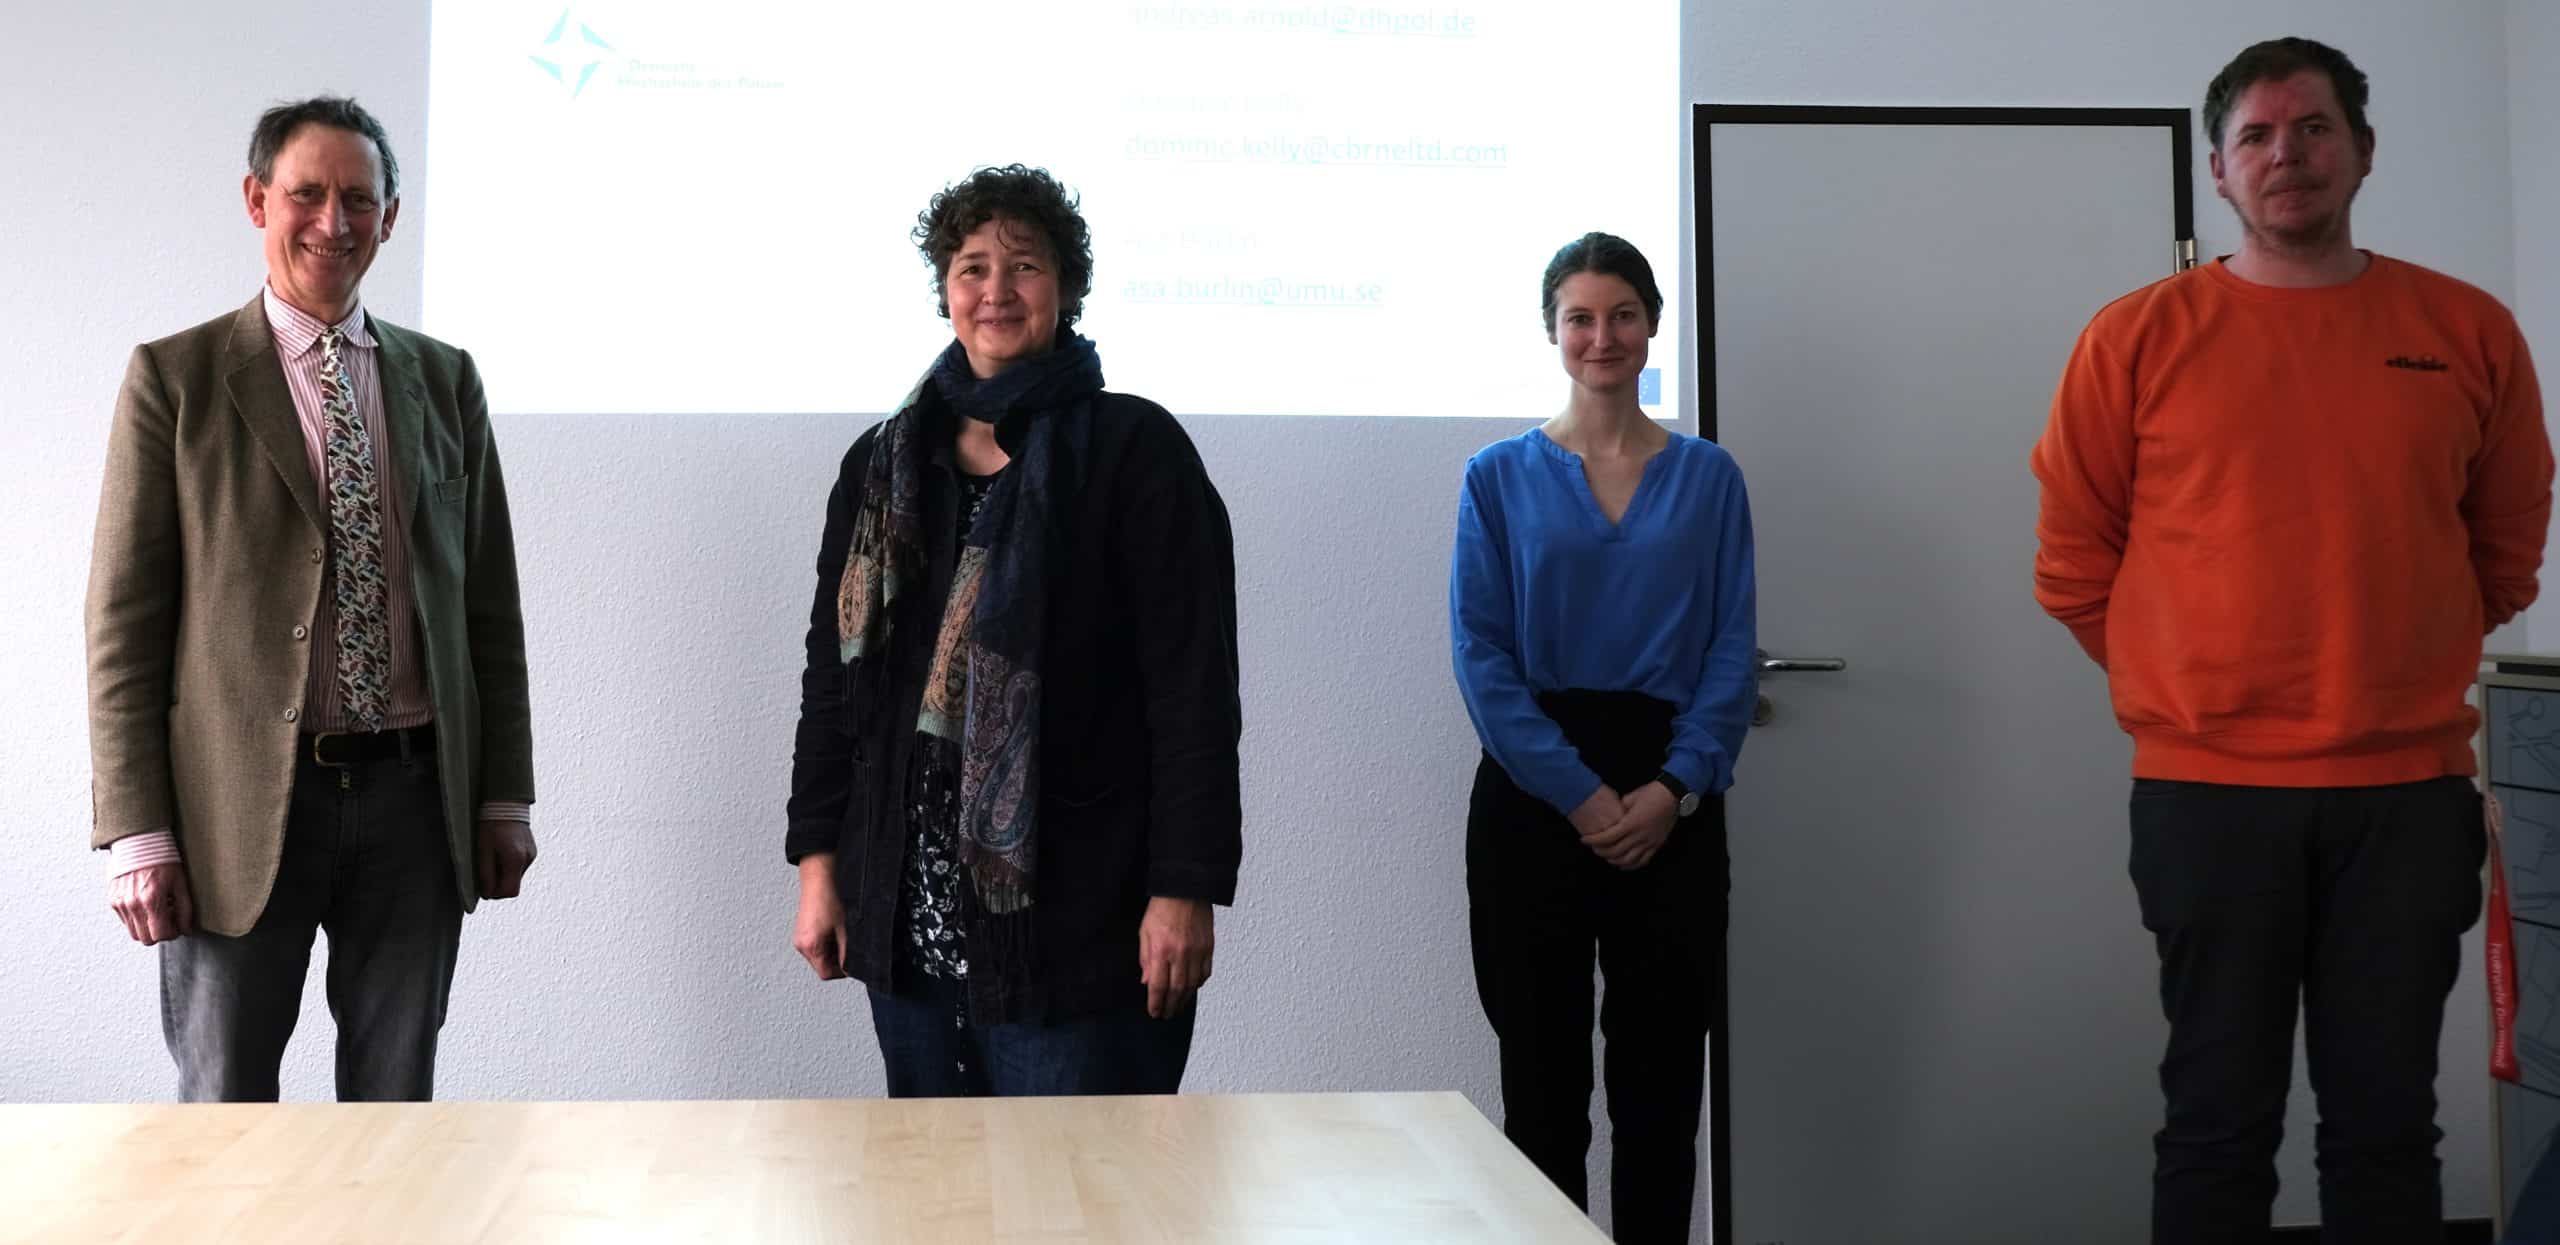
667,563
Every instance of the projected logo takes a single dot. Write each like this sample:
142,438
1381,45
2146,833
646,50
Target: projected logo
570,58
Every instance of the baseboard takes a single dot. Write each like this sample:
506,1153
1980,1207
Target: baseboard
2456,1232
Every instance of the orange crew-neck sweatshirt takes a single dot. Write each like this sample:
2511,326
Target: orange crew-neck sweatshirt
2282,519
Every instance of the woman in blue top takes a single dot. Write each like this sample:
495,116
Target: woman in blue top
1600,613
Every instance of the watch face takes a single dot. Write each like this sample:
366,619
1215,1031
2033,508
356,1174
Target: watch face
1688,803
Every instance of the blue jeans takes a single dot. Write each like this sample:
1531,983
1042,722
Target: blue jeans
364,862
931,1050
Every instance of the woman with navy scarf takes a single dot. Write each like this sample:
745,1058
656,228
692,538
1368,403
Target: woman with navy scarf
1014,781
1601,619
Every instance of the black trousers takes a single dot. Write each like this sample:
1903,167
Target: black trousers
2351,904
1540,904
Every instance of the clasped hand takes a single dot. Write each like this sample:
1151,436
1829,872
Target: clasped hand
1627,831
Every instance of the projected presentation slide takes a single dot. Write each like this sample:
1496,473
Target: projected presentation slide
665,206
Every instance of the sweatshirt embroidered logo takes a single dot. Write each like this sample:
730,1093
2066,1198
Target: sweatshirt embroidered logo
2422,363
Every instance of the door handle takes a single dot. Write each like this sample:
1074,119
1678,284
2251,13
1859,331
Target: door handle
1761,709
1807,665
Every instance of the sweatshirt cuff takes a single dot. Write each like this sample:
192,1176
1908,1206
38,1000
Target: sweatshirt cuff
506,810
142,851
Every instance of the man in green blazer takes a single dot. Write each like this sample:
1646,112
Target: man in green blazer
307,702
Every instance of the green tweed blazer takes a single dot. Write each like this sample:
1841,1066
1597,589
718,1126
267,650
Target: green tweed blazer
211,535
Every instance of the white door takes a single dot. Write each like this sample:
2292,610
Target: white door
1943,1022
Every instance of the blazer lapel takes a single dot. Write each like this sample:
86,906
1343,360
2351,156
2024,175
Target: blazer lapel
254,377
401,416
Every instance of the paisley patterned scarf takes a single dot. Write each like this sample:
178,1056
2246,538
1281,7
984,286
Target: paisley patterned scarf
984,685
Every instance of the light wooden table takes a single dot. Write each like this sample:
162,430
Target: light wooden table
1249,1168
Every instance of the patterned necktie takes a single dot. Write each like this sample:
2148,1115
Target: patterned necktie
355,540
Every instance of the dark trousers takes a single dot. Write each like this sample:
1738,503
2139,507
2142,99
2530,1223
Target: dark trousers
364,859
1539,905
930,1049
2348,903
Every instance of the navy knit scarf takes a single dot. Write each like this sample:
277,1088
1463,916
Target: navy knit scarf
987,653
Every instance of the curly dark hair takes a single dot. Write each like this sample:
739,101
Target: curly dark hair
2276,60
1018,193
1609,254
277,125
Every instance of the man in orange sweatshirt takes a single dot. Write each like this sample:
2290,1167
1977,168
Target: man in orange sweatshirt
2285,495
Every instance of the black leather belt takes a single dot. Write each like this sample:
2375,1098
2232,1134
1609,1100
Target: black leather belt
339,748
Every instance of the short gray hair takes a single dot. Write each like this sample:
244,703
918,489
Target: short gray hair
277,125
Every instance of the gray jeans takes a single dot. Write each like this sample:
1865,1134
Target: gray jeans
364,859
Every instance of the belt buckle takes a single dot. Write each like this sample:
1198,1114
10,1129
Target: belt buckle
317,758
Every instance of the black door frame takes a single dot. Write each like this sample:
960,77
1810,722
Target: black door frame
1704,118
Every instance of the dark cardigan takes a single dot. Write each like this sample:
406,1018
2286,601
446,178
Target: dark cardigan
1139,731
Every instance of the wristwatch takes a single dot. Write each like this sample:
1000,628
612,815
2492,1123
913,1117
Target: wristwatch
1679,791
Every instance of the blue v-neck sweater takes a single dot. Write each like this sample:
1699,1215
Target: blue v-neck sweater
1545,594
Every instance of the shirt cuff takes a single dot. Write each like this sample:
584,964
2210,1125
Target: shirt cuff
1707,773
160,847
141,851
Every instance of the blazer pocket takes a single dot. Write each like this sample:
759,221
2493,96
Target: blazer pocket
453,490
